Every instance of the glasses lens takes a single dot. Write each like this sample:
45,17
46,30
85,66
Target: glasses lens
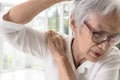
115,40
99,37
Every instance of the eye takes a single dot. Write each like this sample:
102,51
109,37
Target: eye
100,35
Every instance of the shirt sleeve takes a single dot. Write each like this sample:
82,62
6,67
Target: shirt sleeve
23,38
109,70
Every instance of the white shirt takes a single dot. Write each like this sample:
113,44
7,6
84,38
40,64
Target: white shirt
34,42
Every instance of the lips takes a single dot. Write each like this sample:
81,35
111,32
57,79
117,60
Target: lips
96,54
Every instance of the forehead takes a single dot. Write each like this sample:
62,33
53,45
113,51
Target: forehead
109,23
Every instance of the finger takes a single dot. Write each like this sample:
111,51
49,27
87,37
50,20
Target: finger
52,47
55,40
62,43
50,36
51,42
59,42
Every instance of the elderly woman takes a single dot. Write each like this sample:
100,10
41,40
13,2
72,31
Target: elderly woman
89,55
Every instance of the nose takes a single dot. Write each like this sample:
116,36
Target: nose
104,45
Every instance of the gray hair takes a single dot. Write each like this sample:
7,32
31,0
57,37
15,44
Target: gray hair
81,8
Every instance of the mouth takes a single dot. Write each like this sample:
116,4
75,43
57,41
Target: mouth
96,54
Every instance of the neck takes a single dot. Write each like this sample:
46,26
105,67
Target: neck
77,55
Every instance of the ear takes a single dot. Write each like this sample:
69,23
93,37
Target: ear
72,23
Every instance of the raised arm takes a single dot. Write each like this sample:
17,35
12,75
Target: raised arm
26,11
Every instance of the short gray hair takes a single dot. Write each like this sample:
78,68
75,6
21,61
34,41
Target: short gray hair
82,7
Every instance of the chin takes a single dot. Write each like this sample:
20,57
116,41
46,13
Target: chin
93,59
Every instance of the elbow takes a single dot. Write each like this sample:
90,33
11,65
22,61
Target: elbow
18,20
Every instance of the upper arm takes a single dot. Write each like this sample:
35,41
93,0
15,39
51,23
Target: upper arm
24,38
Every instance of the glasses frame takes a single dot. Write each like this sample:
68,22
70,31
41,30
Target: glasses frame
94,32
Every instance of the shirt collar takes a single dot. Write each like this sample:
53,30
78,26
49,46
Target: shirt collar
87,65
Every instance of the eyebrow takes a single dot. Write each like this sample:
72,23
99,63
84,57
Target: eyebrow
108,33
103,29
100,29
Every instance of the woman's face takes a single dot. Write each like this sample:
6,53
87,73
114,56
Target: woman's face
87,47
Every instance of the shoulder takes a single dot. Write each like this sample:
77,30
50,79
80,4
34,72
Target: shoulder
111,60
112,54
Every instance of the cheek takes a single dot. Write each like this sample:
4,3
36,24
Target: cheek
85,48
84,43
85,40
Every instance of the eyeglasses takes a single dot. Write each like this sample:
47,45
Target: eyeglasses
102,36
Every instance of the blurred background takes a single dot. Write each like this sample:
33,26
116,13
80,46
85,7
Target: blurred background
17,66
